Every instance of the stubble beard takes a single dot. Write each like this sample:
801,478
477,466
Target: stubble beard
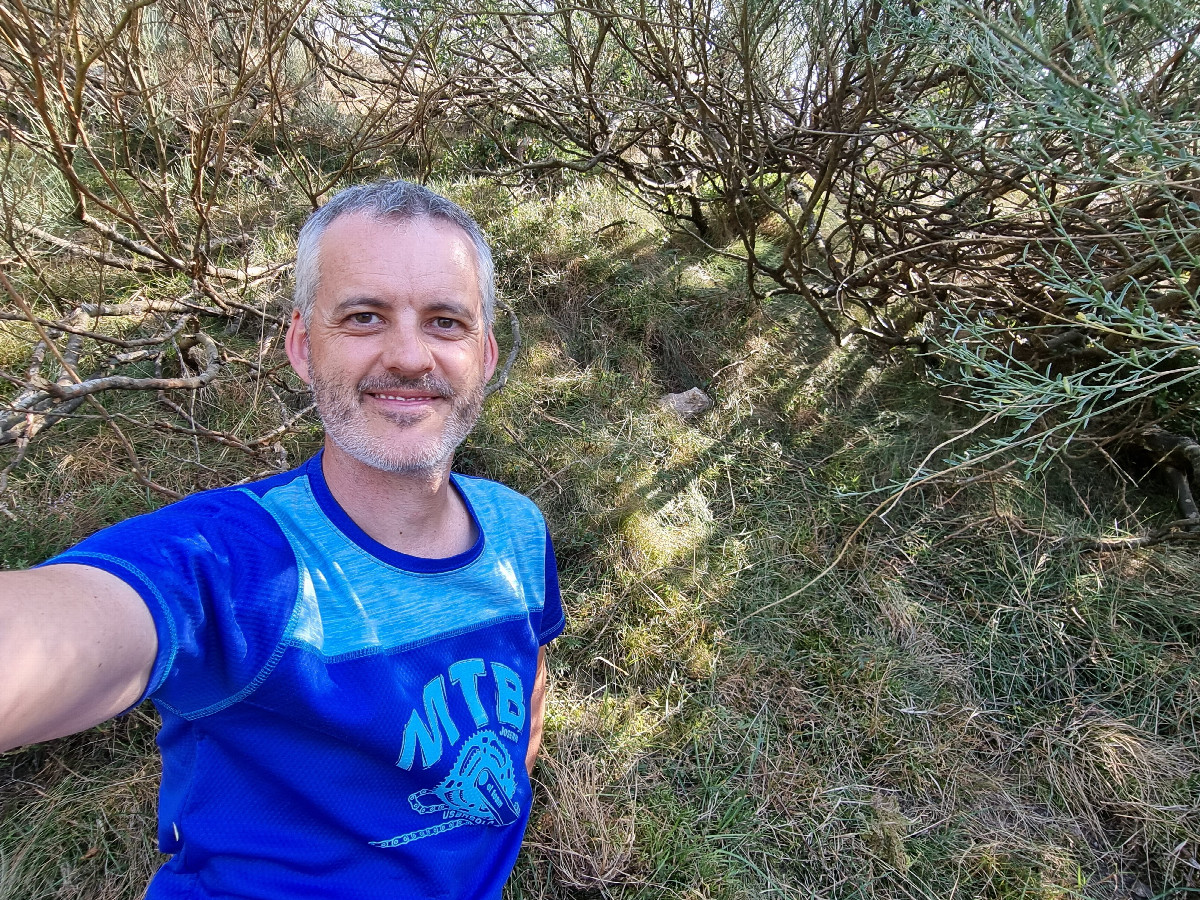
342,414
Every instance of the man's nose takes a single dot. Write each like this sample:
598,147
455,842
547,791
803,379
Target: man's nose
406,350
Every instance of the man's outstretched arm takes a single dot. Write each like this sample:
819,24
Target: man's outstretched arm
77,646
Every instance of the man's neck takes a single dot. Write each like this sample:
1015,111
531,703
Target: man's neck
418,514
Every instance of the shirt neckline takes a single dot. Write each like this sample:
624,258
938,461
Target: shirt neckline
348,527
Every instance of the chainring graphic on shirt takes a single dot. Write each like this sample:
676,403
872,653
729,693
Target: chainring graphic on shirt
480,790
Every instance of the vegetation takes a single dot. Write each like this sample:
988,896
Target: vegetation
878,235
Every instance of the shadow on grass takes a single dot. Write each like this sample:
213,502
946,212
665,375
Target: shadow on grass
937,717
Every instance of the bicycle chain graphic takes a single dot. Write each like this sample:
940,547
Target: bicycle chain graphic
480,790
401,840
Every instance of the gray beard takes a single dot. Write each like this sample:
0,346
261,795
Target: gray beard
341,413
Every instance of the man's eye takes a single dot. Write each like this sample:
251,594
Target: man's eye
364,318
444,323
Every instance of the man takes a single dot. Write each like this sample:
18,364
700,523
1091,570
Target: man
349,659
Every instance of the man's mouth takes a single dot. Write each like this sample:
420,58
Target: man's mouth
418,392
403,397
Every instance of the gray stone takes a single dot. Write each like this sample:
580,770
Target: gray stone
688,404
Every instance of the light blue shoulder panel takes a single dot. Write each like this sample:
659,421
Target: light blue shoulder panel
352,603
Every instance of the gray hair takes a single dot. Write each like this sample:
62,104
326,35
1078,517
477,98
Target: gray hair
391,201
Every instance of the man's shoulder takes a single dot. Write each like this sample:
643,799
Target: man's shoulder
262,486
493,494
236,495
224,504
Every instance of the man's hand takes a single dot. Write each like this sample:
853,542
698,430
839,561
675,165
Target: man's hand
77,646
537,712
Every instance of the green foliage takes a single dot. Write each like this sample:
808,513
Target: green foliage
1137,366
1102,156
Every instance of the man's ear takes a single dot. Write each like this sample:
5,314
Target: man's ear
296,344
491,354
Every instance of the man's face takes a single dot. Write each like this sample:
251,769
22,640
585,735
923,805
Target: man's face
396,348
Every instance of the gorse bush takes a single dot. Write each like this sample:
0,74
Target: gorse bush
1001,187
1010,189
1088,332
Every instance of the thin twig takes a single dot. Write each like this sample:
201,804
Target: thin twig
502,379
1180,531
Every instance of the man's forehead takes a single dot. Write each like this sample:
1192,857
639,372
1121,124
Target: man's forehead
399,228
360,231
422,245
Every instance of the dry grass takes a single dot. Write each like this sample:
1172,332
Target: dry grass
585,830
76,815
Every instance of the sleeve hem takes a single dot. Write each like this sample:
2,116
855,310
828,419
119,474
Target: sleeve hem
554,631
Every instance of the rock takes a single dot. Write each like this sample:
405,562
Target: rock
688,404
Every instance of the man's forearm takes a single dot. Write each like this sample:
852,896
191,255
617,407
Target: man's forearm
76,647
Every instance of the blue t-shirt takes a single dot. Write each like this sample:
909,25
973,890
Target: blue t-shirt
338,719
